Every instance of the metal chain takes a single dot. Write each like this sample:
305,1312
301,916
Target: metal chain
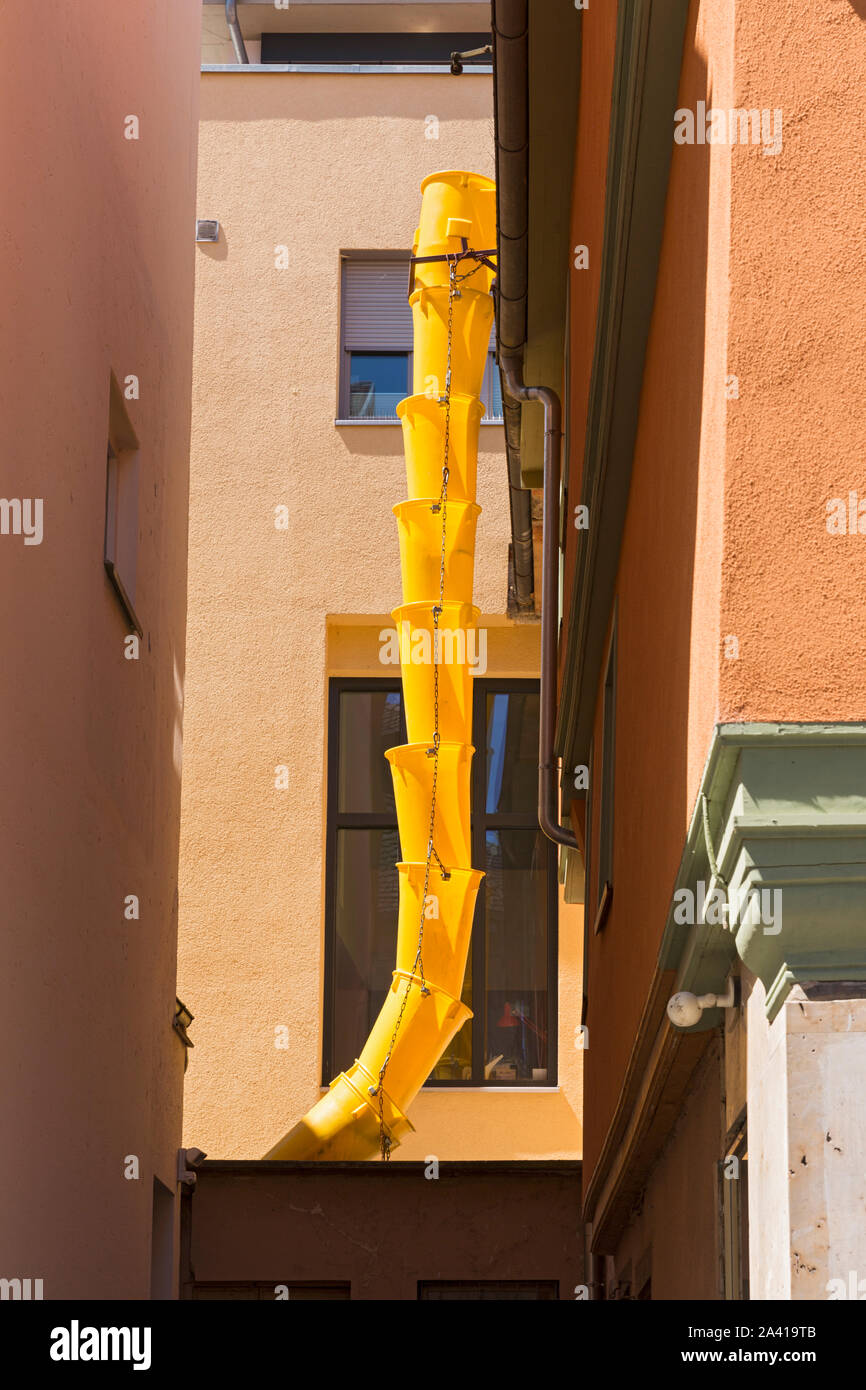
439,507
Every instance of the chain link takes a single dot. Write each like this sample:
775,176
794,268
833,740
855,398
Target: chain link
441,507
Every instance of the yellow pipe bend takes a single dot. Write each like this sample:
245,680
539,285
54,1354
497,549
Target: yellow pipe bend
423,1011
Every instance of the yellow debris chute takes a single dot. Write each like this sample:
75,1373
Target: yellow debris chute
364,1111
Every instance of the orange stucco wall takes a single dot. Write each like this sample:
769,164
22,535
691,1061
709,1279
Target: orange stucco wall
791,592
97,276
760,279
668,583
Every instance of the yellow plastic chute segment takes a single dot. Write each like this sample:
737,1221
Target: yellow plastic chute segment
419,526
363,1112
459,651
449,907
344,1125
428,1024
412,770
471,324
455,205
423,421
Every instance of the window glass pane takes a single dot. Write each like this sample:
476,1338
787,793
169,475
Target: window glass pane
512,752
516,900
374,47
456,1063
378,381
492,390
366,920
370,722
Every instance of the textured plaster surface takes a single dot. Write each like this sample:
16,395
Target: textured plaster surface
318,164
797,436
734,601
97,276
669,580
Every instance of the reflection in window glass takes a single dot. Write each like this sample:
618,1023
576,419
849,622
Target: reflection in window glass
378,381
511,1040
494,399
365,914
456,1062
516,899
512,752
370,723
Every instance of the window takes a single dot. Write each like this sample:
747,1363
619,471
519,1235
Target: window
734,1183
608,768
491,1289
268,1293
376,355
429,49
121,505
511,976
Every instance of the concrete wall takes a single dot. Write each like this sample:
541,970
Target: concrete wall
319,163
97,277
384,1229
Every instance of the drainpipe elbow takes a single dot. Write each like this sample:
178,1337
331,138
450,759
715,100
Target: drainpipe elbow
235,31
512,371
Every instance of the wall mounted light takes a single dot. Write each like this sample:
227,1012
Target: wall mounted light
685,1009
207,229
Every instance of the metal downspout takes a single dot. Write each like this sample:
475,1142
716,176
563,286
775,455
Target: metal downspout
509,20
235,31
548,810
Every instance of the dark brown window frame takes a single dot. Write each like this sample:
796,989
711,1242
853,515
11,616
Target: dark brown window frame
489,381
122,452
342,820
606,807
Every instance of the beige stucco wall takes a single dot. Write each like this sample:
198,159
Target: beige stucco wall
97,276
319,164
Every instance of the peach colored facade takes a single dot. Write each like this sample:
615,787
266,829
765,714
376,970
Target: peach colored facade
318,164
736,623
98,164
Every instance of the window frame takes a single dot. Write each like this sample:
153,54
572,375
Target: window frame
122,493
344,353
384,48
606,808
337,820
734,1214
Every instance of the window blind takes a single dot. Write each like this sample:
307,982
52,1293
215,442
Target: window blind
376,313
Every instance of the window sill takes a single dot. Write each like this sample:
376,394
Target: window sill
414,69
493,420
465,1090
